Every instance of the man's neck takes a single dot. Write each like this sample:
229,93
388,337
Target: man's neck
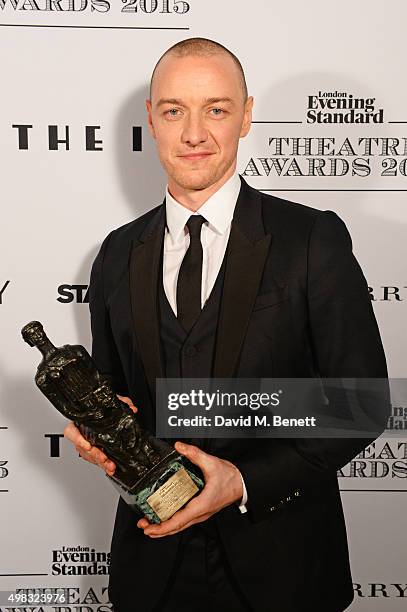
193,199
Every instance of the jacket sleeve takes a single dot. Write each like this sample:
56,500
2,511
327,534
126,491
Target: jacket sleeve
345,343
104,350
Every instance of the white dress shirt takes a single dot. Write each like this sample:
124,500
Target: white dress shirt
218,211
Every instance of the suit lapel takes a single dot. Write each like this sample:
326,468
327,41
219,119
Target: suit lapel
145,273
246,255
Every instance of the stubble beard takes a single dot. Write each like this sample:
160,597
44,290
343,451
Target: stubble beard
198,179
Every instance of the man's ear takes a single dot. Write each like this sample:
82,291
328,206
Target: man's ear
247,119
150,118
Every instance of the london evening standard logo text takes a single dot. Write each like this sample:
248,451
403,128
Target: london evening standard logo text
337,154
79,561
342,107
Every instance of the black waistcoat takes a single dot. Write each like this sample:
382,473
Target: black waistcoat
190,354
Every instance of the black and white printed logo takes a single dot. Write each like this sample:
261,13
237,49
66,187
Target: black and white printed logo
329,107
134,7
378,590
58,137
73,293
339,151
80,561
388,293
384,460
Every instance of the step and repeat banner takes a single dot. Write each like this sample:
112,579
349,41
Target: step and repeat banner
329,130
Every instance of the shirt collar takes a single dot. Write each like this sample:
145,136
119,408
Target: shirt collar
218,209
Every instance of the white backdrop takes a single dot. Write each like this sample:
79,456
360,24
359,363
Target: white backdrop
88,63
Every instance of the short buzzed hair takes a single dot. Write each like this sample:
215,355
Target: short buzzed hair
201,47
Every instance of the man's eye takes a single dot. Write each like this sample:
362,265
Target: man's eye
217,113
172,112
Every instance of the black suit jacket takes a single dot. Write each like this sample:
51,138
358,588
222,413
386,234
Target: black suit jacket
295,303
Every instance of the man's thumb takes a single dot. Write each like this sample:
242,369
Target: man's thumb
192,452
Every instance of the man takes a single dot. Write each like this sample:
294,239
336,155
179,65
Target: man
269,289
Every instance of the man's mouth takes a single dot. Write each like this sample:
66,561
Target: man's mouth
195,156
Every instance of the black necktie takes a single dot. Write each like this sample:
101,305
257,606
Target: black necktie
190,276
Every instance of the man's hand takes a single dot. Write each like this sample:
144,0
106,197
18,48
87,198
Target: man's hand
93,454
223,486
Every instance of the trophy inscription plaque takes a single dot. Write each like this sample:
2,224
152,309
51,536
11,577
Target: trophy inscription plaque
151,476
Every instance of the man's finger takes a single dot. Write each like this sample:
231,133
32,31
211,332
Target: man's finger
91,455
110,467
196,455
85,455
194,510
97,457
194,522
96,454
128,401
72,433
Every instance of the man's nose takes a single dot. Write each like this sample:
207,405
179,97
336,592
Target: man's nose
194,130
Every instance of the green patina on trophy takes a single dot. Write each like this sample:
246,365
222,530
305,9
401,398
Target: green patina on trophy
151,476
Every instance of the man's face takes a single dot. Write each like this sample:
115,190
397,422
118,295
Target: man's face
197,115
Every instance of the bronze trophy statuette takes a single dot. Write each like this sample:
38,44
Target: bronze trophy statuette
151,476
